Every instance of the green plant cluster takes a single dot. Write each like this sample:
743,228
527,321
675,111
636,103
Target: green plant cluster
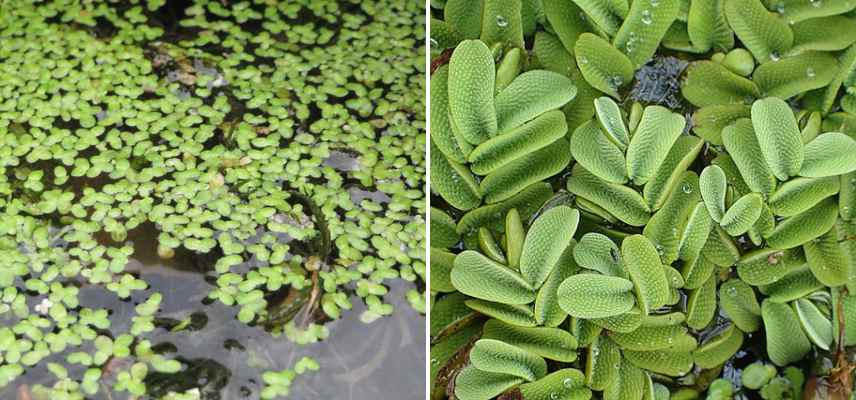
588,244
275,146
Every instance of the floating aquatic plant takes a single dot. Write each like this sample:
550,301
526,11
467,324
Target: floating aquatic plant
274,147
677,240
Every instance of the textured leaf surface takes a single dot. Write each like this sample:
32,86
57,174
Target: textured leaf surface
695,233
762,32
742,214
515,234
668,177
441,128
531,94
707,27
644,28
502,22
650,144
603,356
795,11
480,277
630,383
738,302
496,356
792,286
600,13
547,310
448,311
765,266
829,154
816,326
805,226
708,83
547,238
827,259
648,338
666,226
551,343
621,201
515,176
800,194
567,20
791,76
453,182
626,322
441,270
742,144
595,296
602,65
475,384
824,34
719,349
609,116
778,136
786,342
471,84
443,234
514,314
463,18
593,150
504,148
720,248
701,304
565,383
696,271
598,252
708,122
713,184
643,265
669,363
526,202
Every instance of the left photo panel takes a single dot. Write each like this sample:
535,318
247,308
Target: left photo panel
212,199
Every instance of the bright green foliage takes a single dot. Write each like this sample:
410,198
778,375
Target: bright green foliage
743,146
829,154
565,383
595,296
612,122
513,177
797,74
551,343
529,137
713,185
800,194
651,141
739,61
645,270
442,134
475,384
701,304
443,234
531,94
453,181
547,238
502,22
603,66
495,356
708,83
471,85
596,251
786,342
815,324
742,214
805,226
622,202
719,348
762,32
480,277
737,300
592,149
707,27
778,136
643,28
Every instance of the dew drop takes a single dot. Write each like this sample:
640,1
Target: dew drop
809,72
780,8
435,361
616,81
646,17
568,383
687,188
732,291
554,396
501,21
816,3
434,43
583,60
655,3
775,56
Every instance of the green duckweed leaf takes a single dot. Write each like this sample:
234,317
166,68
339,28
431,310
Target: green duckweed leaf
847,196
713,184
600,14
515,234
737,185
512,178
643,29
629,383
609,116
453,182
552,55
508,69
547,310
565,383
786,342
778,136
475,384
666,225
800,194
531,94
792,286
471,84
622,202
667,180
708,83
657,132
696,271
603,356
795,11
499,357
643,265
823,34
707,27
514,314
591,148
480,277
602,65
695,233
526,202
765,266
550,343
829,154
816,326
595,296
648,338
488,246
701,304
805,226
626,322
463,18
443,234
740,61
738,302
827,259
742,144
441,270
506,147
719,349
443,34
502,22
847,62
708,122
720,248
455,149
762,32
598,252
797,74
742,214
567,20
669,363
448,313
584,331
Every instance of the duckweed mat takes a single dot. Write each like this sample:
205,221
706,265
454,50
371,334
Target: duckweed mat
643,200
211,199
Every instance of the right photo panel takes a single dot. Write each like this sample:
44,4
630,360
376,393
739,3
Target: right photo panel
642,199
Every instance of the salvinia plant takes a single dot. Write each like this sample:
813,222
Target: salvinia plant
643,200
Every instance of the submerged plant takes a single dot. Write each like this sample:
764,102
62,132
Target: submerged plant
675,236
276,148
